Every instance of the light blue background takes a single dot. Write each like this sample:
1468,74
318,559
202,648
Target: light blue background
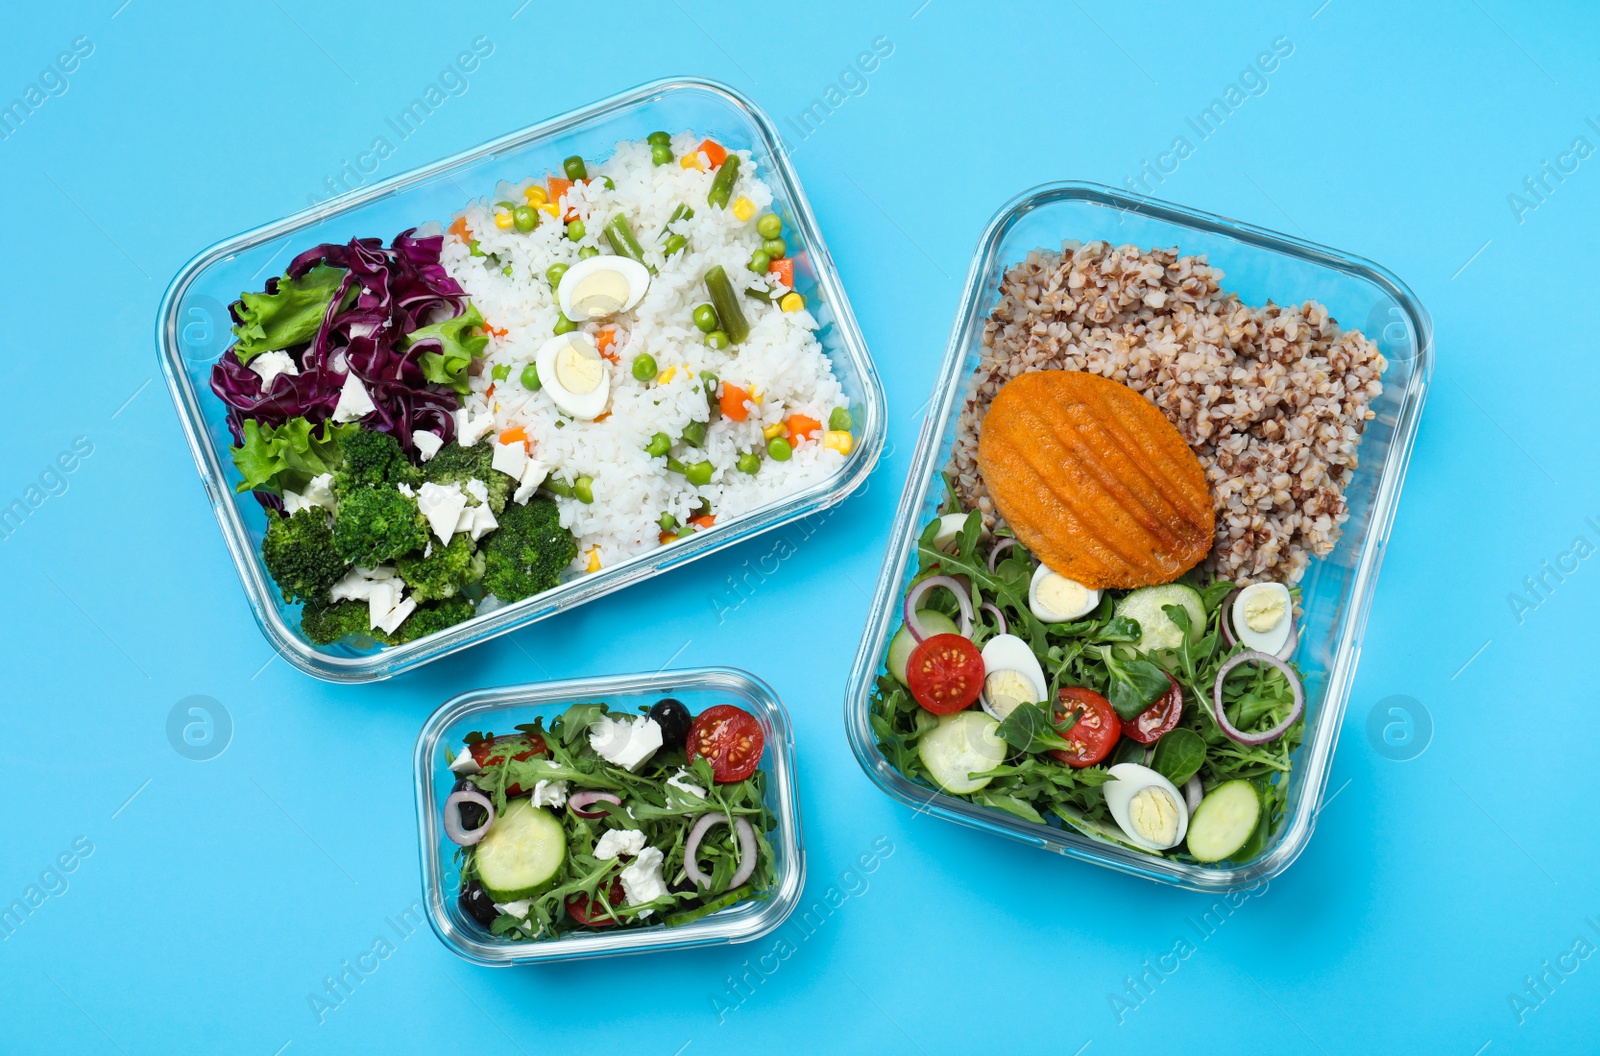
222,892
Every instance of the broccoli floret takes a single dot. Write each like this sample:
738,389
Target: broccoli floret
527,552
444,572
433,617
326,622
372,459
378,524
455,464
299,554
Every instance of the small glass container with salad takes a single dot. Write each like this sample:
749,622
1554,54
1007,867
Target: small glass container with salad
602,816
1124,597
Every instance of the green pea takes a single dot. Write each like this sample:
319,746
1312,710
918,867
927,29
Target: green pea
694,434
686,531
554,273
775,248
718,340
778,449
583,489
668,523
644,366
473,248
659,139
759,261
770,226
586,252
526,217
575,168
530,377
676,244
505,205
606,182
698,473
501,372
506,271
563,324
840,421
749,462
576,230
705,318
659,445
660,155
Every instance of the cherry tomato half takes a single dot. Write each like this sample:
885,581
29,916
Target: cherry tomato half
1094,734
945,673
731,740
1149,725
491,751
592,914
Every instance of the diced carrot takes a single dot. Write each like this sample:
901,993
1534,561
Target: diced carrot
604,340
496,331
715,152
514,434
489,392
459,228
732,402
602,417
558,190
801,427
783,268
705,520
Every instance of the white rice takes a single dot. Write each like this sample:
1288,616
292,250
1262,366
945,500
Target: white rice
781,359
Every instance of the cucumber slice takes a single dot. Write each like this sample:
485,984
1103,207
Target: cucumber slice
900,646
1158,634
963,744
1224,820
521,853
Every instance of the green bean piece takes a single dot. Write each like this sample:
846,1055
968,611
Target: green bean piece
554,273
698,473
722,186
473,248
770,226
673,465
676,244
619,233
525,218
659,445
583,490
644,366
750,462
708,382
682,212
705,318
558,486
840,421
694,434
659,139
530,377
726,302
575,168
563,324
778,449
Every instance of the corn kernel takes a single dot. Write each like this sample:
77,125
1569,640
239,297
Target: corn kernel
536,195
756,397
549,209
594,561
743,208
693,161
770,431
666,375
838,440
792,302
503,220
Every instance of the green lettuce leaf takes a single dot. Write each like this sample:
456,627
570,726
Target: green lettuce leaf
287,457
289,317
461,339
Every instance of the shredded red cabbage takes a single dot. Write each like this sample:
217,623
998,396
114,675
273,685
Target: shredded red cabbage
399,289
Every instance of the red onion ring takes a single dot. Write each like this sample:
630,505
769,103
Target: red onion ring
914,595
999,617
747,849
1000,547
578,801
1192,793
1220,714
452,817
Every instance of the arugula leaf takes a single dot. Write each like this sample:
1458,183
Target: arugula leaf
286,457
1029,729
292,316
459,341
1135,684
1179,755
1009,804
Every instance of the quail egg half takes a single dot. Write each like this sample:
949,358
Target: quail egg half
1147,807
1056,599
601,286
574,374
1012,676
1262,616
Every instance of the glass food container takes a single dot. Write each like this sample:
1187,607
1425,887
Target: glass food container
499,710
1337,589
192,332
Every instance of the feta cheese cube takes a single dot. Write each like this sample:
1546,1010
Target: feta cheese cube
396,616
479,520
641,878
518,909
382,597
549,794
623,742
478,490
268,365
511,459
320,492
464,763
614,842
469,429
681,782
354,401
426,443
441,504
533,475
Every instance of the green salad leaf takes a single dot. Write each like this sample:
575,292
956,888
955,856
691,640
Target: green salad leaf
1135,683
460,339
286,457
289,317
